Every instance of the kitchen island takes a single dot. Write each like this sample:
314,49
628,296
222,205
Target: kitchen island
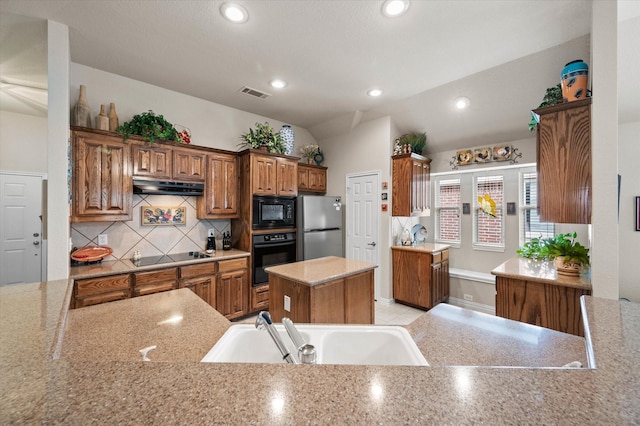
326,290
42,384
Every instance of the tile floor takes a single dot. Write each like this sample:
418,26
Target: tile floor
386,314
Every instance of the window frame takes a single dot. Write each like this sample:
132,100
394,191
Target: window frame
438,208
496,247
523,207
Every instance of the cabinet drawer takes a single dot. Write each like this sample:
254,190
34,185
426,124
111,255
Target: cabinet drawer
232,265
154,288
143,278
437,257
445,255
262,294
201,269
102,285
96,299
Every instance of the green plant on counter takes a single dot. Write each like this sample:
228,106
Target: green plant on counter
552,96
150,126
558,245
263,136
417,141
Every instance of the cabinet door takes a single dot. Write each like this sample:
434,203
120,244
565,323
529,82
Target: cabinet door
410,185
287,177
263,170
359,305
317,180
102,182
188,164
417,188
232,293
152,161
203,287
412,277
303,178
220,198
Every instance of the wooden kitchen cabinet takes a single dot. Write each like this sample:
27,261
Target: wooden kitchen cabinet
420,278
312,178
553,306
259,298
189,164
220,199
92,291
411,185
155,281
272,175
286,177
201,279
232,288
101,180
152,161
563,152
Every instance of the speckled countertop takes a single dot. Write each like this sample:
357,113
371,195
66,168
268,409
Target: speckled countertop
38,388
317,271
125,266
539,271
426,247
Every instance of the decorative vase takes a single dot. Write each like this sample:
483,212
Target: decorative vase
102,121
309,160
81,113
573,80
113,117
568,268
288,138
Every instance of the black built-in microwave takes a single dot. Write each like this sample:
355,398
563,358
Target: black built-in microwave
273,212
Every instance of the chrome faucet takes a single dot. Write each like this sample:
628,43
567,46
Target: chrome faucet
264,322
306,352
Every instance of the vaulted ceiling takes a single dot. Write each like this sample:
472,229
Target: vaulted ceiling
502,54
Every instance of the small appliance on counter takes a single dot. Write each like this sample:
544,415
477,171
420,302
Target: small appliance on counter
226,241
211,244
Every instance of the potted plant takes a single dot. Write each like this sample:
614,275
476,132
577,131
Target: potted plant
150,126
568,255
263,137
552,96
309,151
417,141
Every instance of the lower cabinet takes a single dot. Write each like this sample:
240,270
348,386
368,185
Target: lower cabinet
546,305
259,298
93,291
232,288
201,279
420,278
154,281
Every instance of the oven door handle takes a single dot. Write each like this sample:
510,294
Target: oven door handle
267,245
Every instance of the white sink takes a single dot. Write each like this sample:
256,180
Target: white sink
335,344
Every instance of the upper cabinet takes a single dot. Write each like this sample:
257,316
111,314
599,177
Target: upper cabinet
101,183
411,185
564,162
158,161
272,175
312,178
220,198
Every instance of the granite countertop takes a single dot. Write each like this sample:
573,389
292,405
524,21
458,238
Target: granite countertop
125,266
425,247
317,271
539,271
41,383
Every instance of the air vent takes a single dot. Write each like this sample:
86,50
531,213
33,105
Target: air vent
254,92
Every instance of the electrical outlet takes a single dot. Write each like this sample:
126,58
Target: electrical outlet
468,297
287,303
103,240
211,232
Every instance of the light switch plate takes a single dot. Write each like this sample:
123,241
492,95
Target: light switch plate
103,240
211,232
287,303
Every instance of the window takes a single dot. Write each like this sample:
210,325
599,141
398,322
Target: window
448,210
530,224
488,209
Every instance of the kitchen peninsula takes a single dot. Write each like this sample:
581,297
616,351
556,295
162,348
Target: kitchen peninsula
326,290
42,385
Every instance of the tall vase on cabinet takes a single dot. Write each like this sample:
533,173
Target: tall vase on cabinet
81,113
288,139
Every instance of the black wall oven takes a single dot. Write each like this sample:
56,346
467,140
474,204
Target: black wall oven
271,250
273,212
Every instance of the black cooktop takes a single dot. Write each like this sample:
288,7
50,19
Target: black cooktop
169,258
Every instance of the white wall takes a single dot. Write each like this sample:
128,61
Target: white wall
212,125
367,147
23,142
628,237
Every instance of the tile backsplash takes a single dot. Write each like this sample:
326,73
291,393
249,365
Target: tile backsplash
126,237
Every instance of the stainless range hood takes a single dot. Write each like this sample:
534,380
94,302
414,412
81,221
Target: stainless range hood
167,188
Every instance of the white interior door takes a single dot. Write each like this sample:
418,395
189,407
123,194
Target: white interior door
362,220
20,229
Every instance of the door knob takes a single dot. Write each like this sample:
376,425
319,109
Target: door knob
36,243
372,244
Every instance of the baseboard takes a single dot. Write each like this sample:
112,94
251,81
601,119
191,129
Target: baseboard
469,275
479,307
384,301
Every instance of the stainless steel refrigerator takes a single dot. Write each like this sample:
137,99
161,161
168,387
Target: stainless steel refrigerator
319,222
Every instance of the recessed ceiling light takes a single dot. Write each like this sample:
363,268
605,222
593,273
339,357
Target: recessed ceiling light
278,84
234,12
393,8
375,93
462,102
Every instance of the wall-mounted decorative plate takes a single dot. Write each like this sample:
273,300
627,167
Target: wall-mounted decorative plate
464,157
482,155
